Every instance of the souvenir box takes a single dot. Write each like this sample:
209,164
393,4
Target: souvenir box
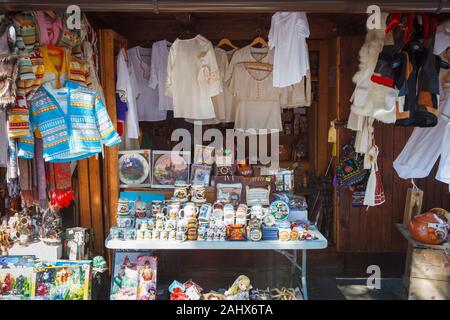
76,243
62,282
16,276
236,232
133,276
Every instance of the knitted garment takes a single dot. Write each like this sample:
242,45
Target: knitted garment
49,28
27,38
50,64
73,122
8,74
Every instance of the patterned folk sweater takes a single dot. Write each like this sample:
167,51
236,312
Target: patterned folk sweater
72,121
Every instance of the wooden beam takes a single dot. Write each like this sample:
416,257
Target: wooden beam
84,194
110,161
95,191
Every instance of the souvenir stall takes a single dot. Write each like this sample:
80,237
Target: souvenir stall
187,147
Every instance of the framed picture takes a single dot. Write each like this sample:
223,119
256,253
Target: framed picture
135,168
170,167
203,154
200,174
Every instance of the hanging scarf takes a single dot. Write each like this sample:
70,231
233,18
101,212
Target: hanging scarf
40,171
59,177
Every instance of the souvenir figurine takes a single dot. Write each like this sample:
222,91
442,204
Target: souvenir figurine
51,230
172,235
239,289
180,192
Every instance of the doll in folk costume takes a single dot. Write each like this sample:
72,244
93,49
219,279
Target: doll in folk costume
239,290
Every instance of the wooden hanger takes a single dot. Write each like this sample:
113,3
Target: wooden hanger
259,40
258,66
227,42
51,14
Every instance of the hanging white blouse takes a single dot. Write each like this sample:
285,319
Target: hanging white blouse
223,103
193,78
426,145
287,35
258,101
160,56
147,103
125,87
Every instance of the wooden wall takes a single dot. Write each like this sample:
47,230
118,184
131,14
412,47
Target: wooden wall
373,230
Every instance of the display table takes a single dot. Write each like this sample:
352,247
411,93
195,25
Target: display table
427,269
38,249
283,247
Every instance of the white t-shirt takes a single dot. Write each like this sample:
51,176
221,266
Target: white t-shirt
160,55
147,103
193,78
125,86
288,33
442,40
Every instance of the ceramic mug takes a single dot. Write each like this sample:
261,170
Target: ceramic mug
228,214
202,230
198,193
181,236
205,212
181,193
156,207
241,214
189,211
171,210
140,234
148,235
123,207
258,211
140,209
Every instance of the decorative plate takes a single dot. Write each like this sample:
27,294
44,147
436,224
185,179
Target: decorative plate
134,169
169,168
279,210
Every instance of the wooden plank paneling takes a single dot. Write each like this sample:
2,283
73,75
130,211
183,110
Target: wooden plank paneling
110,161
84,194
374,230
95,192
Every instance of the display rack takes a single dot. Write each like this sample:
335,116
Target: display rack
287,248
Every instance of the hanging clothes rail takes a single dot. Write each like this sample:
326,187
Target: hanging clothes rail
258,6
